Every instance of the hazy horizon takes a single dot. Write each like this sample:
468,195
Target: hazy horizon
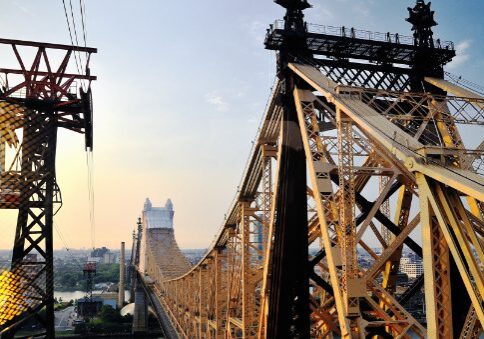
180,92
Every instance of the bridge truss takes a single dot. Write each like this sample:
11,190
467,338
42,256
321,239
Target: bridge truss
349,150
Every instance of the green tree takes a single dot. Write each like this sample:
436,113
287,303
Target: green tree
109,314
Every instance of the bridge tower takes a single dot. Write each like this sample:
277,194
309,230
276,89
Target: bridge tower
159,243
356,119
289,285
37,99
157,257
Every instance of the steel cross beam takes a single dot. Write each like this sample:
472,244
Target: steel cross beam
438,176
233,244
352,138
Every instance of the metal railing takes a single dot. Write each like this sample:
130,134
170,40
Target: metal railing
460,81
363,34
22,93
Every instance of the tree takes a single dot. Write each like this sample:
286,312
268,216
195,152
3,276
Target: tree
109,314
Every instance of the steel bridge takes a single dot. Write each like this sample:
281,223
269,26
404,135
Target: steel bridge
361,141
356,120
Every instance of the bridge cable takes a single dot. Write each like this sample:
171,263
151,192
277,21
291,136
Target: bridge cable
90,187
77,42
67,247
80,70
89,154
82,6
70,35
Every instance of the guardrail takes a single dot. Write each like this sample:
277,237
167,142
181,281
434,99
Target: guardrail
363,34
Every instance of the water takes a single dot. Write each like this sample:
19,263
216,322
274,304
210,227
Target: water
66,296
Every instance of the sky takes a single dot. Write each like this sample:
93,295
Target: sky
181,89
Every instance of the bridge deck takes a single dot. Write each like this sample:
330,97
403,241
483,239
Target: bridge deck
154,295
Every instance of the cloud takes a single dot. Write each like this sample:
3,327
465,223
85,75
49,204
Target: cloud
216,100
462,50
23,9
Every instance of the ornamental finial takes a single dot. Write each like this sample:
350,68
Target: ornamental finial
294,4
422,20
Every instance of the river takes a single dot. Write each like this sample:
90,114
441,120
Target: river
66,296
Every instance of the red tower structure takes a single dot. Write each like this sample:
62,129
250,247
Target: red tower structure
38,97
89,307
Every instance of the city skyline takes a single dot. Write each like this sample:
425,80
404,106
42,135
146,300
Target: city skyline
167,135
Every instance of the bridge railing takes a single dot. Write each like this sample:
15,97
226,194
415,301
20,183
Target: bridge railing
351,32
227,258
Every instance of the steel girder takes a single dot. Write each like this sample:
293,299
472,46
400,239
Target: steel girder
227,293
36,101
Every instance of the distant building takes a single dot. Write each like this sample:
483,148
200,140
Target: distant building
108,298
94,259
85,308
89,308
405,260
102,255
99,252
411,269
109,258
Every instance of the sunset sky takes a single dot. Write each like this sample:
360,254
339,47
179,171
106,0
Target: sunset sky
181,90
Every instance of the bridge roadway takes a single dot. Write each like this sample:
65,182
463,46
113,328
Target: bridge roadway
153,292
165,263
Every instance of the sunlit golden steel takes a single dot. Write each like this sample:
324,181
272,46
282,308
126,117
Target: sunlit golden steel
354,148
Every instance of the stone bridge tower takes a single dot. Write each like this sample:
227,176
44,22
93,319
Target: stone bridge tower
159,242
159,258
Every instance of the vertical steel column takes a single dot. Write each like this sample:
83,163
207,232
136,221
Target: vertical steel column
347,223
233,280
220,290
322,193
289,285
385,209
402,214
202,301
248,300
34,231
268,248
267,152
49,225
436,264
